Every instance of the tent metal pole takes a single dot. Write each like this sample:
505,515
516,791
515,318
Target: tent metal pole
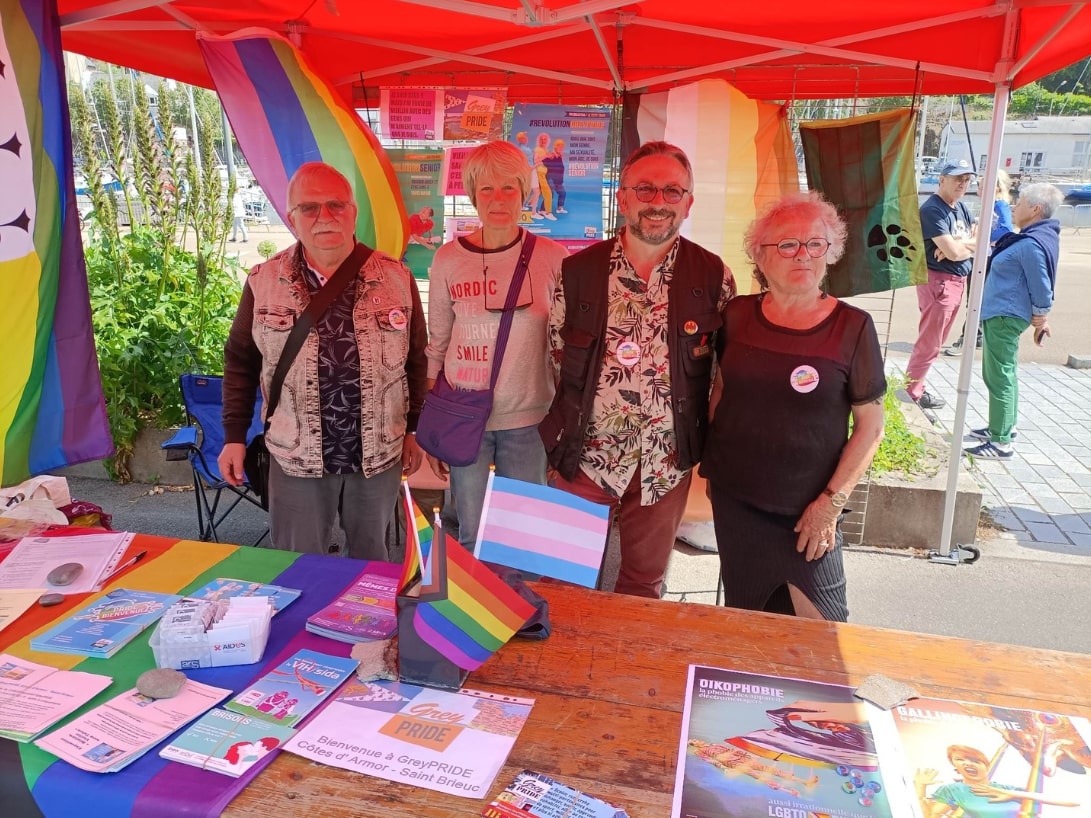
986,193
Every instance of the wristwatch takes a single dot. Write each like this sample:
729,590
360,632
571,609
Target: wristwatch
837,498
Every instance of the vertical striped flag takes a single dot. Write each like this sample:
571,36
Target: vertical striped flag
52,411
285,115
742,156
472,613
865,167
542,530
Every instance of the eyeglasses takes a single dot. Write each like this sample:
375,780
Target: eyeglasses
789,248
311,210
646,193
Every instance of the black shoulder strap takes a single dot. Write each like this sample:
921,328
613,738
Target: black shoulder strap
347,272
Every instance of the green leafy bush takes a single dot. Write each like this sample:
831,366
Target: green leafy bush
159,308
902,450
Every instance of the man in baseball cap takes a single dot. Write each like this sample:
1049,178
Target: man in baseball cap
949,229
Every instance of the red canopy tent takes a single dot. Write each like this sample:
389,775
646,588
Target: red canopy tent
585,51
590,51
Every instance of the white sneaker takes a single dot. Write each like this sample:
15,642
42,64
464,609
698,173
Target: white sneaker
561,210
537,216
551,217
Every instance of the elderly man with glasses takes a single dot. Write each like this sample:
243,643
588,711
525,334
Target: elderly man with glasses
340,436
949,229
633,331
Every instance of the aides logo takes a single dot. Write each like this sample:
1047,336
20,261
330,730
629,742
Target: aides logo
890,243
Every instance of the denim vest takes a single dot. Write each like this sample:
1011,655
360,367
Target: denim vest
390,336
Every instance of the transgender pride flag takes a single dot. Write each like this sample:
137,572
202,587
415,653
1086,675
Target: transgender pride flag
51,406
285,115
542,530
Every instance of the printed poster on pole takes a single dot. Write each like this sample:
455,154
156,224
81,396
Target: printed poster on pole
418,173
411,113
566,150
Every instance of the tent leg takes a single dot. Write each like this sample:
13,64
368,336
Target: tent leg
959,554
948,554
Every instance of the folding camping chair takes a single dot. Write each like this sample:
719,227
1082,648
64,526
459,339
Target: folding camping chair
200,442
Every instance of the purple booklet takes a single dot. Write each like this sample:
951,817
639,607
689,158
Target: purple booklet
364,611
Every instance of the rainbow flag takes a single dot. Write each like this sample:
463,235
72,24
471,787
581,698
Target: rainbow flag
542,530
34,782
52,411
473,613
742,156
865,166
284,115
418,544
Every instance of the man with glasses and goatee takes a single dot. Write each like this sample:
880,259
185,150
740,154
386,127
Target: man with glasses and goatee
340,437
633,332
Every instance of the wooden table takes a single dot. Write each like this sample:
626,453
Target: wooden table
609,686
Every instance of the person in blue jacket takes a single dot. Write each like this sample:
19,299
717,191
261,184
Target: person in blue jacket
1019,292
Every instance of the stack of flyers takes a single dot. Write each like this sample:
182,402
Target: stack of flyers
222,588
106,625
33,696
226,743
116,733
293,689
532,795
362,612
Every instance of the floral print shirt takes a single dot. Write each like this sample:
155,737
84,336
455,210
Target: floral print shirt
631,426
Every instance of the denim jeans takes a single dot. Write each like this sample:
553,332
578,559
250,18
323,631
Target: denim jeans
516,453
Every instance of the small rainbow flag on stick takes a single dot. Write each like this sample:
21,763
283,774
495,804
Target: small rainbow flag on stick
51,406
285,115
473,612
418,543
542,530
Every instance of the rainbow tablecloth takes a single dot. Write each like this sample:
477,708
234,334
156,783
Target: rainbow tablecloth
35,783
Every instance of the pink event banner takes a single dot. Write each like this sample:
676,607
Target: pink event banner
452,170
411,113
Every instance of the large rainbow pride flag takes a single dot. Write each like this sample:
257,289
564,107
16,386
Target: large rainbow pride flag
865,166
33,782
52,411
285,115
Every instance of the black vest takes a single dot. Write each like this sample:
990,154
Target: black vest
693,326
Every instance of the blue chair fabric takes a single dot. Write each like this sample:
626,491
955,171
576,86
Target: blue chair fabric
200,441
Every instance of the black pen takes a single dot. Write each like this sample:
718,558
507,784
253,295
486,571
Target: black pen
129,563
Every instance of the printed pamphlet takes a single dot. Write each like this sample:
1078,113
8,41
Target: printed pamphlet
33,558
223,588
16,602
364,611
106,625
450,741
980,760
226,742
33,697
116,733
533,794
297,686
756,746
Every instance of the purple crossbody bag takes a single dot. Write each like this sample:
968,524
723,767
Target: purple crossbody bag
452,421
